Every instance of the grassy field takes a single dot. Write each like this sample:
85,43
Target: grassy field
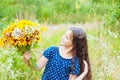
99,18
61,11
104,54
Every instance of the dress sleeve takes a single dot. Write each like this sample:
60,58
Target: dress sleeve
49,52
76,70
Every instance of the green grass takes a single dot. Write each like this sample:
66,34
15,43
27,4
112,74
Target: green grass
104,54
103,48
61,11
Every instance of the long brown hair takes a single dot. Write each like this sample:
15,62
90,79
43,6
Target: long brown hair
80,49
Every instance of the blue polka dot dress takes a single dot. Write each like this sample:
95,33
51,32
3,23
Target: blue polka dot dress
59,68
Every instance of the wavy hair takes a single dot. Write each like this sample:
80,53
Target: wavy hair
80,49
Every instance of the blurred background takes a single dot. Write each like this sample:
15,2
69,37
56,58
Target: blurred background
99,18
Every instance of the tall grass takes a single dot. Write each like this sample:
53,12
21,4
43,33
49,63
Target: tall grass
62,11
104,54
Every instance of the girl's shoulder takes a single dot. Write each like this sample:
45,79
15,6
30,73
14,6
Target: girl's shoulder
50,51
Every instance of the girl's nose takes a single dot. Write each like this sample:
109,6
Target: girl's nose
63,37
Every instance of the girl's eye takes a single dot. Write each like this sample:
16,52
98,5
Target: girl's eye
67,36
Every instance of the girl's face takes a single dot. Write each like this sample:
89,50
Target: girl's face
67,39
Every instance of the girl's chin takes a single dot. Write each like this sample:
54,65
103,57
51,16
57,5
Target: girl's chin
61,44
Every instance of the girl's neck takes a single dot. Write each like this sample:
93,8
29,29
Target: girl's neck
65,49
66,52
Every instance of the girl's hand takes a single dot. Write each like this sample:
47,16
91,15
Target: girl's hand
86,67
82,75
27,57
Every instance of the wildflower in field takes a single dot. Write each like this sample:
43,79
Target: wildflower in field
43,28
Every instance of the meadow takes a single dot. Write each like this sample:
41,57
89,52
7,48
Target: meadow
103,37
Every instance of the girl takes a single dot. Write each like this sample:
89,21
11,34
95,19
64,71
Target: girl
66,61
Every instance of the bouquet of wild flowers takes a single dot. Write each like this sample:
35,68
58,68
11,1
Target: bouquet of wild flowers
22,34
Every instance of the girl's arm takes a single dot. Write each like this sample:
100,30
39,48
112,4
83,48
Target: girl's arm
72,77
42,62
39,65
81,76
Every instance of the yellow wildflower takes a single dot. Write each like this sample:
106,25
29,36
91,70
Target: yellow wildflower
1,42
43,28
